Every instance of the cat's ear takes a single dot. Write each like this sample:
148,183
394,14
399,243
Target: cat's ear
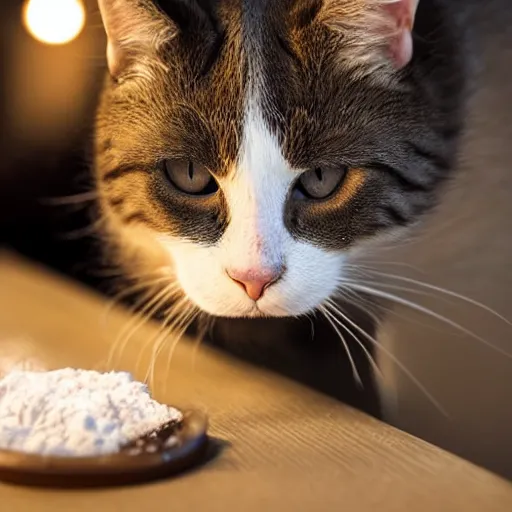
135,29
374,28
401,14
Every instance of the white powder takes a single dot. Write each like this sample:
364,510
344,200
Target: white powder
76,412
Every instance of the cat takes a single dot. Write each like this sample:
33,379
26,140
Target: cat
249,153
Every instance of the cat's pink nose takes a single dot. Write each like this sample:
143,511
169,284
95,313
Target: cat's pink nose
255,281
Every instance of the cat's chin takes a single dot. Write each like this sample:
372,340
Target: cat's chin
238,308
255,312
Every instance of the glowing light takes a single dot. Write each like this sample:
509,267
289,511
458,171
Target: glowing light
54,21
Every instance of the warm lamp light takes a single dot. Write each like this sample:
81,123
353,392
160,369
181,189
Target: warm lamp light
54,21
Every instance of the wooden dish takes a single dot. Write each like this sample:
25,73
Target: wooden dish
171,449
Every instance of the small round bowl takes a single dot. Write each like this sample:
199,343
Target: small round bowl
171,449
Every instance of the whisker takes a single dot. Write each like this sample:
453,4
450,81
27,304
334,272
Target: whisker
311,319
364,264
92,228
164,331
157,341
82,197
141,318
355,371
353,298
403,289
155,292
390,287
142,301
393,358
358,301
126,292
358,270
202,332
366,272
443,291
334,309
399,300
187,321
211,327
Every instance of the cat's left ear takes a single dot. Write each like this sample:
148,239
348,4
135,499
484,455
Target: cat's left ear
135,29
371,29
401,14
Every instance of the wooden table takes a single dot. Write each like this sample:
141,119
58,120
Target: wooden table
284,447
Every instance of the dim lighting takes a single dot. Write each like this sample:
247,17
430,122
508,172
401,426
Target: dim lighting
54,21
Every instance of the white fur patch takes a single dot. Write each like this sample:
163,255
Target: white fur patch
256,237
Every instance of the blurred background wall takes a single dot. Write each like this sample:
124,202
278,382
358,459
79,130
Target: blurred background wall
464,247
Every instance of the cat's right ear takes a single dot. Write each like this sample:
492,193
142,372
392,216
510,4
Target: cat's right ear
135,29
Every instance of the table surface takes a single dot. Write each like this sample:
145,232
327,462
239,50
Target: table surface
281,446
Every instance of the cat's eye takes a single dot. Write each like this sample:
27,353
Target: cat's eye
190,177
320,183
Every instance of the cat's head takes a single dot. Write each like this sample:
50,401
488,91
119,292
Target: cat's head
250,148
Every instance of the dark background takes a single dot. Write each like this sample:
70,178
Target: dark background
48,97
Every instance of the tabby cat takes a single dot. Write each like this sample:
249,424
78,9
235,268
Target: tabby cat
254,158
250,152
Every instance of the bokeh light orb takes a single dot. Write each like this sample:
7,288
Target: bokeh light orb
54,21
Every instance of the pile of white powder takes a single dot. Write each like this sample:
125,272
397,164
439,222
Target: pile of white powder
76,412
